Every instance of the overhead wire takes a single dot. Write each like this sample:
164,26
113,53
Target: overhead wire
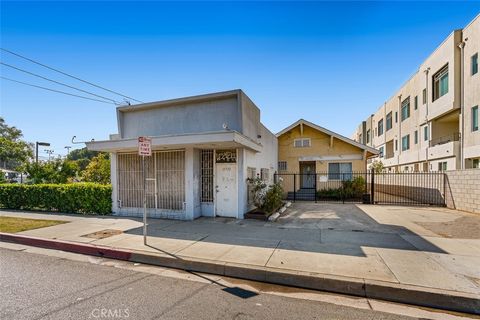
54,90
57,82
68,75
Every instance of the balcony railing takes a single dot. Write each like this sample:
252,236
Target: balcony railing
445,139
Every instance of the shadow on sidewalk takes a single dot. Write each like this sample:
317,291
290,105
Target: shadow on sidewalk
340,229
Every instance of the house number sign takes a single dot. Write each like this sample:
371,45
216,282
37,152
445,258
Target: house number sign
226,156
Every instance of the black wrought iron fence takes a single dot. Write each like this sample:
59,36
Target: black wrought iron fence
365,187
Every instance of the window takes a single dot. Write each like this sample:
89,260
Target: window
442,166
301,143
368,136
406,142
396,116
265,174
380,127
425,133
416,102
282,165
381,152
475,118
206,175
389,121
440,83
476,163
424,96
340,171
396,145
415,136
474,63
251,174
406,108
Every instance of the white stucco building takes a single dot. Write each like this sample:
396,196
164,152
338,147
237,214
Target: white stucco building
204,149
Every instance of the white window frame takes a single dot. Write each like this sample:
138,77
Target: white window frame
340,173
302,143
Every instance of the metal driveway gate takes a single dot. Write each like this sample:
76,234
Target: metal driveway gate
365,187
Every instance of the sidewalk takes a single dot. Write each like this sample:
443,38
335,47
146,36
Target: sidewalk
392,253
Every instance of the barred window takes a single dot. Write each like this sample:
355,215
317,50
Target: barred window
251,173
264,174
282,165
206,175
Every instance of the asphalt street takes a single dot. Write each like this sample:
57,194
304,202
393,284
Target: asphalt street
35,286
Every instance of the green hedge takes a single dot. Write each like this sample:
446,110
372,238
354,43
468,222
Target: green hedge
85,198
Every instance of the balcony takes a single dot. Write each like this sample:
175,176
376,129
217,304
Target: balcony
388,162
443,147
445,139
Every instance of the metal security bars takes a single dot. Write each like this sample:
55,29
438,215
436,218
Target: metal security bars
130,181
365,187
412,188
165,180
170,179
206,175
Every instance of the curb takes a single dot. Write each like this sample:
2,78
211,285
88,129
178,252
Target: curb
401,293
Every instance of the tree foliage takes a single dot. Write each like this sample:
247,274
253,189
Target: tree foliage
377,166
13,150
53,171
98,170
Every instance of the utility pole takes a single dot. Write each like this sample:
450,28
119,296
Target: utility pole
45,144
50,152
68,149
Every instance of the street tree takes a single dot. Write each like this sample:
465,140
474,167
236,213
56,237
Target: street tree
98,170
14,151
53,171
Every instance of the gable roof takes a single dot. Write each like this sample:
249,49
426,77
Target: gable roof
330,133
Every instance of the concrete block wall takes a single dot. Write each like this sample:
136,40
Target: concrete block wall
463,190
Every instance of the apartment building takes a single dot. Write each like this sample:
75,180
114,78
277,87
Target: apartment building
431,122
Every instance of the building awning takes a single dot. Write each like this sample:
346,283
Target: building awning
211,140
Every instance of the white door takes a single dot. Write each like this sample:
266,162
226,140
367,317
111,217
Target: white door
226,189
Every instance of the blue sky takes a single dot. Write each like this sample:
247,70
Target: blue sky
332,63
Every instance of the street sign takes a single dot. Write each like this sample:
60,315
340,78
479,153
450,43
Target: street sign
144,150
144,146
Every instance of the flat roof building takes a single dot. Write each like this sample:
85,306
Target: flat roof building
204,149
431,123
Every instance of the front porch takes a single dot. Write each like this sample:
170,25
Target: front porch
204,176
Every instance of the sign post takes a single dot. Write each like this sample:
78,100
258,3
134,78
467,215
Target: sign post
144,150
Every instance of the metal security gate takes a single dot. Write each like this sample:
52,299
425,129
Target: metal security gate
366,187
165,180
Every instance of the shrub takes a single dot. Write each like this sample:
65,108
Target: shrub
266,198
273,198
350,189
330,193
353,188
85,198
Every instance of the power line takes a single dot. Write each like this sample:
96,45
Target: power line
57,82
68,75
53,90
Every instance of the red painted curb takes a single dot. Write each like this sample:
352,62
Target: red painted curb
82,248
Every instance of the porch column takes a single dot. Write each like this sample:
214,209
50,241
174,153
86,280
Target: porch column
113,179
241,183
192,197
